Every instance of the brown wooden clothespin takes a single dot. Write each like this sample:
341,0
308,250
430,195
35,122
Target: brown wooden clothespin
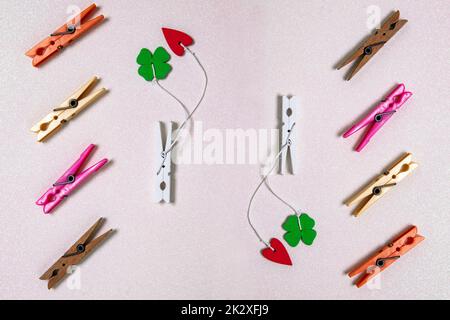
76,253
372,44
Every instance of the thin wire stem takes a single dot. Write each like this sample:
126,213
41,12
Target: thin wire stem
279,198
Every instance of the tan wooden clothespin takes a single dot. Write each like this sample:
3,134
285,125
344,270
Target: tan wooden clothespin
382,184
67,110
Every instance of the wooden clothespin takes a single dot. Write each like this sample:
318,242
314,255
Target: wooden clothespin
164,162
67,110
76,253
382,184
289,109
374,43
63,36
387,256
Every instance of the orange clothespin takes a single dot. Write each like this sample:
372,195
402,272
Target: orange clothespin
387,256
63,36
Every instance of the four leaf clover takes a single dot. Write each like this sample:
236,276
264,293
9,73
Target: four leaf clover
153,65
299,228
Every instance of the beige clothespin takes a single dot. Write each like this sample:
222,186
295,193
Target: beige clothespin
382,184
67,110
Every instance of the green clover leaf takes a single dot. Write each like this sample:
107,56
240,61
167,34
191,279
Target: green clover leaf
153,65
308,233
299,228
293,234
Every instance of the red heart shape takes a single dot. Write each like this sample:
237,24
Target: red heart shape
174,38
279,253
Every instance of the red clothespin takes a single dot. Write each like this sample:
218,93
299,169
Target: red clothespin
62,37
387,256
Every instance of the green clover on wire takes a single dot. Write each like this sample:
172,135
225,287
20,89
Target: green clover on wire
299,228
153,65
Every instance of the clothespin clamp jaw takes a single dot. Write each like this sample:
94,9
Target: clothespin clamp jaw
289,109
387,256
67,110
382,184
380,115
373,44
69,181
63,36
164,163
76,253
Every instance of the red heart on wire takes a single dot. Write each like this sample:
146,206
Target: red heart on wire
174,38
279,253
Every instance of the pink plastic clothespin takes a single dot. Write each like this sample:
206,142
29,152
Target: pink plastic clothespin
380,115
69,181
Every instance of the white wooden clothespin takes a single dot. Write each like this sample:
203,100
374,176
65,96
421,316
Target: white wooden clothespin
163,162
288,118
